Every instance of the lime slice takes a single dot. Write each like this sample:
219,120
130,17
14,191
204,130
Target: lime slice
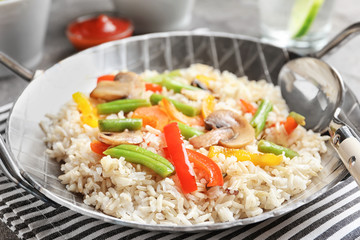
303,14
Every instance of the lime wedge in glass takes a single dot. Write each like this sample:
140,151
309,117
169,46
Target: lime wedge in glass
303,14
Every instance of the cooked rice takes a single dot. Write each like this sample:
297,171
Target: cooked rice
134,193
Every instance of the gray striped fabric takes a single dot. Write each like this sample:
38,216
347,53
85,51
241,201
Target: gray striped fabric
334,215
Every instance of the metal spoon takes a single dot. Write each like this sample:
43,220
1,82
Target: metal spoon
314,89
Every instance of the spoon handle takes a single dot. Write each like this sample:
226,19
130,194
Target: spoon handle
338,39
347,145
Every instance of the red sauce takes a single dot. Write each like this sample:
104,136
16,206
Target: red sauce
94,31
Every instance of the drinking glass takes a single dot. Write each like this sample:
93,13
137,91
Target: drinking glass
296,23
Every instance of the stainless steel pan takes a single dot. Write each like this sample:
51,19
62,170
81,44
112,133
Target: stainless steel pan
23,158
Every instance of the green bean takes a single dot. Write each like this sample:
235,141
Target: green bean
269,147
184,108
138,158
119,125
299,119
259,119
167,80
158,79
125,105
146,153
176,86
188,131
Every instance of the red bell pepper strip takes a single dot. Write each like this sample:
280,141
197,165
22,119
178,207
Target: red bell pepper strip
99,147
153,87
290,124
107,77
247,107
205,164
177,152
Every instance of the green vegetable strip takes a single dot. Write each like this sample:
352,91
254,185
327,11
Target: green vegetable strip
158,79
119,125
299,119
167,80
146,153
125,101
184,108
138,158
269,147
259,119
121,105
175,85
188,131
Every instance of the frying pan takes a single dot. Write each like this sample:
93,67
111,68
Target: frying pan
23,155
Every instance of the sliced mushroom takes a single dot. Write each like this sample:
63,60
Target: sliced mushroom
199,84
211,138
221,118
125,85
117,138
242,133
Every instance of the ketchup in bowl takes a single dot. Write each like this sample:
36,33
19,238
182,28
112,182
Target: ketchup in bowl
87,32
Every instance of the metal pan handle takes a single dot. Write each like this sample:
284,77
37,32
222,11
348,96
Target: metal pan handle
7,163
16,67
338,40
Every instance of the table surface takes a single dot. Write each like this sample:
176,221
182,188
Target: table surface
226,16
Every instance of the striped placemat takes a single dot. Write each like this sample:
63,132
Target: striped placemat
333,215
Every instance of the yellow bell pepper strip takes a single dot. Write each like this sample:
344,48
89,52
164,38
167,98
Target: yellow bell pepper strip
176,115
138,157
204,79
206,165
270,147
153,116
179,157
261,160
88,112
184,108
259,119
207,105
125,105
188,132
119,125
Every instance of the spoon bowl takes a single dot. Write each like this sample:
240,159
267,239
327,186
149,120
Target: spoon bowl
315,90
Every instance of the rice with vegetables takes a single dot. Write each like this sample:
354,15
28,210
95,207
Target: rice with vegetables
185,147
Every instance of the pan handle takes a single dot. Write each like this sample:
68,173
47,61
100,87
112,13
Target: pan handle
16,67
347,144
7,165
346,34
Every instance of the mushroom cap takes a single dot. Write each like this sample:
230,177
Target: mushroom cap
117,138
211,138
243,132
125,85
